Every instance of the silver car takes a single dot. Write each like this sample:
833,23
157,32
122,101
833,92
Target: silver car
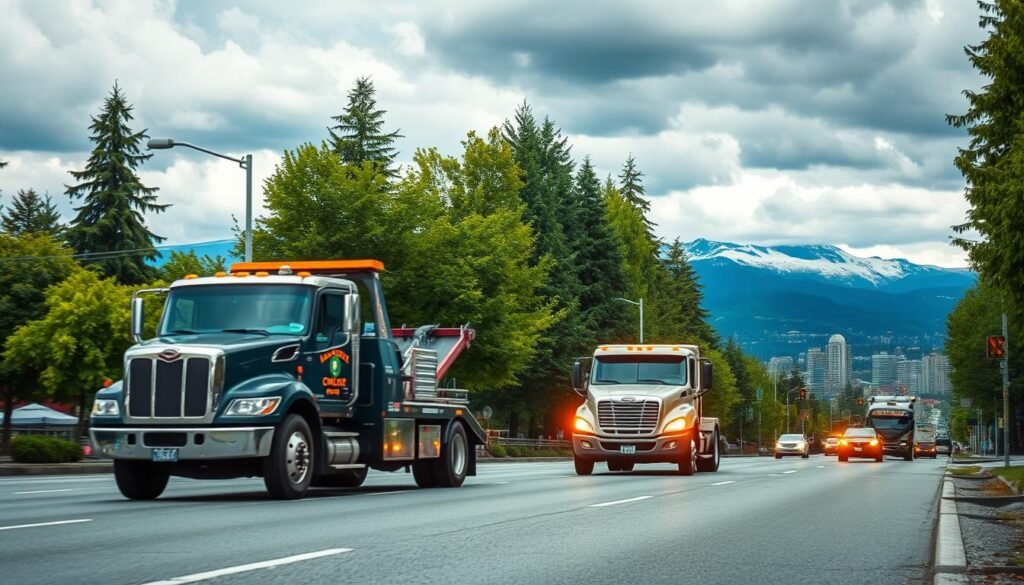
792,445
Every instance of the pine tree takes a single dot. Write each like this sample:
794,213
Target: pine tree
109,227
359,137
677,313
31,214
632,189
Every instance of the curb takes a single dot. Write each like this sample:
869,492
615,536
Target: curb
950,558
18,469
1013,487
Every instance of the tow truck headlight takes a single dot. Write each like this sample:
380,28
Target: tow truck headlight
105,408
252,406
583,425
676,425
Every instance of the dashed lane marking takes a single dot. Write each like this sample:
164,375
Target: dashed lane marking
196,577
724,482
39,524
42,492
616,502
790,471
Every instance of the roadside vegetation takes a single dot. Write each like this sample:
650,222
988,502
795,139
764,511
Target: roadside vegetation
1013,474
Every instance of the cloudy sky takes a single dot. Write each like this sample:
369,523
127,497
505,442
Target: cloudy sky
762,122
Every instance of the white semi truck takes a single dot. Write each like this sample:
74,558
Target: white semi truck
644,404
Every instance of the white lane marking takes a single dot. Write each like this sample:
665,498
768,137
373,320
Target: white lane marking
724,482
790,471
58,480
637,499
821,467
42,492
389,493
58,523
196,577
499,482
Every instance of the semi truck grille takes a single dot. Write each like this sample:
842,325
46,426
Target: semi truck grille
169,390
627,418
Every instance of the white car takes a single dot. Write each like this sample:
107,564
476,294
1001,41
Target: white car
792,445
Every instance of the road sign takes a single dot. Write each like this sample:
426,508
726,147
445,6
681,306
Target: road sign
486,413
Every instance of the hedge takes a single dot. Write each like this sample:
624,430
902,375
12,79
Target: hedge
42,449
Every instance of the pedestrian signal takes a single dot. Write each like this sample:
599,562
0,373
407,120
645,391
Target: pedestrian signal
996,347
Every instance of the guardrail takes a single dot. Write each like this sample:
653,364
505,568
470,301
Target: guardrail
532,443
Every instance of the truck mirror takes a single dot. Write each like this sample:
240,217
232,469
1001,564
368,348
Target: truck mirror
137,319
706,371
577,378
351,324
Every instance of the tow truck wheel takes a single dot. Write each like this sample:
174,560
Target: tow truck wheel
454,460
349,478
688,459
140,480
711,464
288,470
424,472
583,466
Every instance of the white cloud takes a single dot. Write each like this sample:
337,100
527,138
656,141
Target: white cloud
408,40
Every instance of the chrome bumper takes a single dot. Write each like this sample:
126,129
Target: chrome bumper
658,449
199,444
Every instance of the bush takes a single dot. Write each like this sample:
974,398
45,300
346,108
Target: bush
41,449
496,450
513,451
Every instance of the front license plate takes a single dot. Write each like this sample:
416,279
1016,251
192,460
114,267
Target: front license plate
165,455
627,449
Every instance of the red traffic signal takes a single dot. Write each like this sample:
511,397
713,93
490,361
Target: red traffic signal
995,349
803,394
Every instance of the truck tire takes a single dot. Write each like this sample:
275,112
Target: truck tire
454,460
424,472
710,465
348,478
909,455
688,459
140,480
583,466
288,470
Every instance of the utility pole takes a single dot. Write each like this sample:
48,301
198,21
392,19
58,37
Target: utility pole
1006,396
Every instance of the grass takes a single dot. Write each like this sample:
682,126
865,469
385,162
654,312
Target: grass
969,470
1013,474
962,456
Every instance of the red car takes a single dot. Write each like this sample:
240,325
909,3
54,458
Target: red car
860,442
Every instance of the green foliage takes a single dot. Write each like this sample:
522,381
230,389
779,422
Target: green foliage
496,450
959,430
42,449
183,263
724,397
359,136
632,189
513,451
675,307
29,213
639,252
109,224
993,163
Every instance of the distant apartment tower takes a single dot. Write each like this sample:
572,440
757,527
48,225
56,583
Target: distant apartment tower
815,372
780,366
883,369
909,374
838,365
935,371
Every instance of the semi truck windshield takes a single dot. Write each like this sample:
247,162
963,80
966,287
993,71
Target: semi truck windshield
264,308
632,369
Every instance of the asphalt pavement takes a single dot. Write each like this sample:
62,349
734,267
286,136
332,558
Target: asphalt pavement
757,520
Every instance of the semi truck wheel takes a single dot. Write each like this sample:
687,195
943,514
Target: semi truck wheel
140,480
424,472
909,455
349,478
711,464
688,459
583,466
288,470
454,460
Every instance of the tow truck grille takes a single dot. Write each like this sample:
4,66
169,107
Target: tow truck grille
627,418
168,390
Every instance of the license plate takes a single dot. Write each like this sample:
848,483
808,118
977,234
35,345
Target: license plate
856,449
164,454
627,449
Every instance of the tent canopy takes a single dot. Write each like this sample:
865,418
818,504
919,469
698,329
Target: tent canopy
35,415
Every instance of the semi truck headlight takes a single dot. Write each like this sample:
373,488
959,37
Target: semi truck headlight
583,425
252,406
676,425
105,408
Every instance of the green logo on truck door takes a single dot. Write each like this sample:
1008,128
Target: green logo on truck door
334,365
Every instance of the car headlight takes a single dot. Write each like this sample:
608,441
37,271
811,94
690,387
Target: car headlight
676,425
778,445
583,425
252,406
105,408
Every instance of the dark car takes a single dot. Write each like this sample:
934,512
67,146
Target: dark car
943,445
860,442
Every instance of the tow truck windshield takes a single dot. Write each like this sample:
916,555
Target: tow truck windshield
260,308
634,369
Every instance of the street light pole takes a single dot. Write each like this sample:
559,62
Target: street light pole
640,304
1006,396
245,163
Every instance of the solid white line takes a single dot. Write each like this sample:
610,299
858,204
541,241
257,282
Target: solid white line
194,578
724,482
637,499
790,471
58,523
389,493
42,492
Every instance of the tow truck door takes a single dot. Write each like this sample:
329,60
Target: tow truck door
329,371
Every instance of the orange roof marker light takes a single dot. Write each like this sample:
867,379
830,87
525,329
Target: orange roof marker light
312,266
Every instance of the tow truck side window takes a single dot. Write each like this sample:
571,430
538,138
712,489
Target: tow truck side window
329,316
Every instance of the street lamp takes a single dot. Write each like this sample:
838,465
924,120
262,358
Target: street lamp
640,304
244,162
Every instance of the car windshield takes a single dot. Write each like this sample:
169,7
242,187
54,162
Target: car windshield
791,438
634,369
860,432
258,308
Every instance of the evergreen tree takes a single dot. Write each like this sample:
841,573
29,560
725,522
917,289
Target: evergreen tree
31,214
993,163
639,252
632,189
676,308
359,136
109,227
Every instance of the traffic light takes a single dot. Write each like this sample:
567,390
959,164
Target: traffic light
803,394
860,402
996,347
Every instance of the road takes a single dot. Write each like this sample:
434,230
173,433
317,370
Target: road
756,520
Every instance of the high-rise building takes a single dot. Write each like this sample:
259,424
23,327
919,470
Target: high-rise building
780,366
815,372
838,365
935,371
883,369
908,373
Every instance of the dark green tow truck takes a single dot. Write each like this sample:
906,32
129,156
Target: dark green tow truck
288,371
